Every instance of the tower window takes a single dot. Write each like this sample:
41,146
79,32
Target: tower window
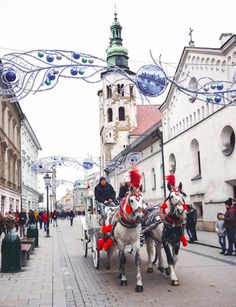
109,115
109,91
121,113
131,91
120,89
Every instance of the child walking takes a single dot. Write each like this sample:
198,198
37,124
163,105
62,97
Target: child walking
220,230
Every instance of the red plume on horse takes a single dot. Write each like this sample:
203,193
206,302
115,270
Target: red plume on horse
135,177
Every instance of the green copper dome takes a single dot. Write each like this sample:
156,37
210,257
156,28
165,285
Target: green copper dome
117,55
116,50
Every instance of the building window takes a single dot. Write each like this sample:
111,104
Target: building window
154,184
109,91
121,113
172,163
131,91
144,182
203,113
227,140
196,159
120,89
109,115
198,115
186,122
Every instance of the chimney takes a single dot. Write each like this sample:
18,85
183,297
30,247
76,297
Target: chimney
224,37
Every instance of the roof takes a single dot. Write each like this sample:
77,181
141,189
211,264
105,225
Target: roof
147,116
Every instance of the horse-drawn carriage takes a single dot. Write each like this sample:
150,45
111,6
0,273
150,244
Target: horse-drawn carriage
121,227
91,232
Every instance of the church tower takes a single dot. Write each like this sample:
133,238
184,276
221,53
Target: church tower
117,102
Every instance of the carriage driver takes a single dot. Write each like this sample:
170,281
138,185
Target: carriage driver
104,195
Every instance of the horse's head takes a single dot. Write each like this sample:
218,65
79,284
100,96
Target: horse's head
135,204
176,199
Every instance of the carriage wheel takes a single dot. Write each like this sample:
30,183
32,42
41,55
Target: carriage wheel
95,251
85,243
154,253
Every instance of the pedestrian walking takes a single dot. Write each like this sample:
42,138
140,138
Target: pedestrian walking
191,223
1,224
22,222
17,220
40,218
45,220
230,225
71,215
36,217
221,232
54,218
31,217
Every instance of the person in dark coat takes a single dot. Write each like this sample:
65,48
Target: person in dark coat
71,215
31,217
230,225
22,222
191,223
124,188
104,195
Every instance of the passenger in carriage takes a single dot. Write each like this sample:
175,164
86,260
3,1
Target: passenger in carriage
104,195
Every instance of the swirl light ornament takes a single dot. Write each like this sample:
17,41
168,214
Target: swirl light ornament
24,73
47,164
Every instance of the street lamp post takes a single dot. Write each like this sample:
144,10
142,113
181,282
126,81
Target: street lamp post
47,180
160,135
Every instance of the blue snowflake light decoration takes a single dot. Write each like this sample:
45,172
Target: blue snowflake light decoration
22,73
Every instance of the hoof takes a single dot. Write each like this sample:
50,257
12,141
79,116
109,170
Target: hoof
139,288
149,270
167,272
161,269
174,283
107,266
123,283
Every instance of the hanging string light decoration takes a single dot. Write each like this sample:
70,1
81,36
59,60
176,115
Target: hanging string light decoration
22,73
47,164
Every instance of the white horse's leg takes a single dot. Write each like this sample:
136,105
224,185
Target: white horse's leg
109,255
139,286
175,251
170,260
123,280
149,247
160,267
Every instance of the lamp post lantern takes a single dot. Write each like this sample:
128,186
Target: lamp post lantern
47,180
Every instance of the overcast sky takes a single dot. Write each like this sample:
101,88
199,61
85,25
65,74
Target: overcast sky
65,119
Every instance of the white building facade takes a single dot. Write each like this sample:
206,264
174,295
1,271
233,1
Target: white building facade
30,147
198,138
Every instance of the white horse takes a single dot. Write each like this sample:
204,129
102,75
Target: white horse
167,232
126,231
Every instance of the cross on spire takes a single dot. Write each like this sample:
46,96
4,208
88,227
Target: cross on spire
191,42
115,13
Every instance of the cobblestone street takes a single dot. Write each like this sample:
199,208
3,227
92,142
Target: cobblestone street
58,275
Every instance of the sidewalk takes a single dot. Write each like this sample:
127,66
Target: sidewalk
40,283
207,238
